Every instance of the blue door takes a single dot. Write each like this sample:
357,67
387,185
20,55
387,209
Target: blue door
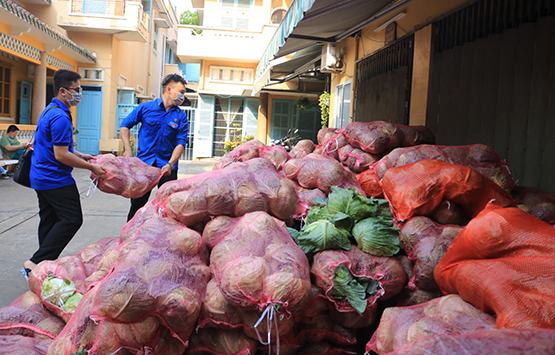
25,98
89,120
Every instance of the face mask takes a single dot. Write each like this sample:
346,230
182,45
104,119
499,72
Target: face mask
75,98
179,99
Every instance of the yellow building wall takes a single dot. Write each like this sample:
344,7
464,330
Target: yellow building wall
207,85
419,13
101,44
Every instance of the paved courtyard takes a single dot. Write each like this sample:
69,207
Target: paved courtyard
104,215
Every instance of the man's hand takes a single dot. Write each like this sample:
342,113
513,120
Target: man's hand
166,170
128,153
97,170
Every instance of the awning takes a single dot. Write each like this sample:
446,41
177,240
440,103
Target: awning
311,23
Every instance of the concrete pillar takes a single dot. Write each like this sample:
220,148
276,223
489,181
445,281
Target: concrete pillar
39,89
262,126
420,76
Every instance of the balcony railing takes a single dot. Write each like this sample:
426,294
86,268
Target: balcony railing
98,7
143,24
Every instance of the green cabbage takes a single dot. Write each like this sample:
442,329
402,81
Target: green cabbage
323,235
61,293
355,290
377,236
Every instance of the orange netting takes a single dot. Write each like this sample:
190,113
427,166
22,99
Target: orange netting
418,189
504,262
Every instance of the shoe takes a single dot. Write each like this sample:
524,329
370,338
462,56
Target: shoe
4,177
25,273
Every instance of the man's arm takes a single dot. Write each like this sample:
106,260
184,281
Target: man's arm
124,133
176,154
13,148
64,156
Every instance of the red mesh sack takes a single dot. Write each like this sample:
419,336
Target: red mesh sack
411,297
234,191
306,198
276,154
106,337
418,189
376,137
503,262
479,157
448,315
370,182
538,203
415,135
449,213
127,177
256,263
315,324
324,348
218,312
333,144
241,153
494,341
211,341
425,242
318,171
387,272
325,134
302,149
161,272
26,316
355,159
22,345
83,269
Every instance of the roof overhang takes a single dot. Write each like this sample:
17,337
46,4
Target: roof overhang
308,25
22,21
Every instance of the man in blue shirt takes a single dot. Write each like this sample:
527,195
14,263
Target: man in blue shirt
163,133
52,162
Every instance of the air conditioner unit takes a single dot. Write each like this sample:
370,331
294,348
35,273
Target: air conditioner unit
332,59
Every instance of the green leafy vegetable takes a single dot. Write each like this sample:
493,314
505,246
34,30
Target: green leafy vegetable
60,292
351,203
377,236
354,290
323,235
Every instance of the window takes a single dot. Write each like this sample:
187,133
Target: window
231,75
236,13
92,74
278,15
342,105
5,88
228,121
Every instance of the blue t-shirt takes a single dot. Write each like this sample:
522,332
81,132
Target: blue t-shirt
54,128
161,131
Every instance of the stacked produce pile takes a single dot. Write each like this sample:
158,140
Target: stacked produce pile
293,253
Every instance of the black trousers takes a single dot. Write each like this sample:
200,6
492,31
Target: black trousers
60,218
138,203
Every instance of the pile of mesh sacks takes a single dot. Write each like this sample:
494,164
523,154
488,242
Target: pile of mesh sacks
370,240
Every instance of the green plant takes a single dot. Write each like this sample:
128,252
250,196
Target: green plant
324,102
191,18
234,143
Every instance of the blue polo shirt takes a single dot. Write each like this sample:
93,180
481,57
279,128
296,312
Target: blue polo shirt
161,131
54,128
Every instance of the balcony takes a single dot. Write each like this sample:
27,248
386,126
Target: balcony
197,43
125,19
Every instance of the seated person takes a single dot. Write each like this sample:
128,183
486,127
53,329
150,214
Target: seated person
12,148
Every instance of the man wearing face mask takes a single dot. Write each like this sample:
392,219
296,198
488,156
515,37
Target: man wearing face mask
163,133
53,160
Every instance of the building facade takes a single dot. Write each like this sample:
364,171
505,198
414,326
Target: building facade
474,71
220,56
131,45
